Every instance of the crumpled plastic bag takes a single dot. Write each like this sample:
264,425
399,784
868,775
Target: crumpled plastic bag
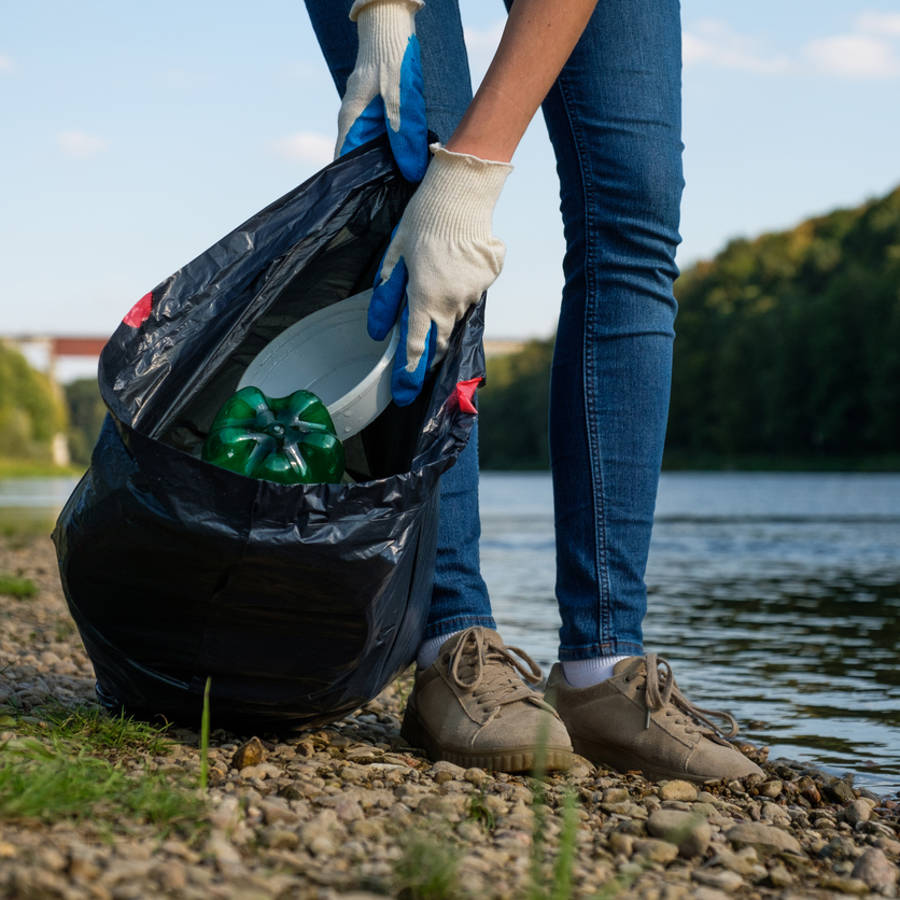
299,602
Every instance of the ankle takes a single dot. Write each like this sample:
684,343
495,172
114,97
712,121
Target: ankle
582,673
428,650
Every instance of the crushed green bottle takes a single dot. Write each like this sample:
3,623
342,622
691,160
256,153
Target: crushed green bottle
289,440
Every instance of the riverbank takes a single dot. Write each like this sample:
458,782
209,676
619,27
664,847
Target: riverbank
351,811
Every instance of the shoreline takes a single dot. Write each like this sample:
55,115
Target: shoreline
350,810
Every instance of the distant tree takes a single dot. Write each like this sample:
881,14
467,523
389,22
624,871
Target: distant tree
86,414
32,410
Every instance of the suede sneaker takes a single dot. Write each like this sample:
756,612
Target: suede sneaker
638,719
472,708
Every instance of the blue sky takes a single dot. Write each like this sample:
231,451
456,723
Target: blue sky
132,136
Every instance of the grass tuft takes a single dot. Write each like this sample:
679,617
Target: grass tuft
427,870
89,729
45,782
13,586
204,737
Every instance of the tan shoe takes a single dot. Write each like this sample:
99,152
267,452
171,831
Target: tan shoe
471,708
639,720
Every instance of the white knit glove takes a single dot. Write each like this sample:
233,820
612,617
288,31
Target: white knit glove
441,259
385,90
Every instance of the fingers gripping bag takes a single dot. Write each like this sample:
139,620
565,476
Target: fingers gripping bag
299,601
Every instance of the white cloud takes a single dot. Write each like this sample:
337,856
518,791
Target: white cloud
716,43
854,56
80,144
879,23
306,146
6,63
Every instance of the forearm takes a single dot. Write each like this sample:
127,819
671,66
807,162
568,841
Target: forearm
538,39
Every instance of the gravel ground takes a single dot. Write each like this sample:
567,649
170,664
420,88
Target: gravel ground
351,811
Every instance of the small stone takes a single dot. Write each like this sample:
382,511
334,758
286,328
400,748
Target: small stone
656,850
224,852
838,791
678,790
621,844
275,812
443,771
847,886
721,879
616,795
771,789
858,811
779,877
7,850
763,835
348,809
876,870
250,753
689,832
281,839
475,776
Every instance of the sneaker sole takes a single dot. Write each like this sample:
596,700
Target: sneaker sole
601,755
511,760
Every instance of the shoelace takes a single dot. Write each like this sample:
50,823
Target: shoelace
471,657
659,695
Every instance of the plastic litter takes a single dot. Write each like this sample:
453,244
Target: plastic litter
301,602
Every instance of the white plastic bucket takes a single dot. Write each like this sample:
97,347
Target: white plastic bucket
330,353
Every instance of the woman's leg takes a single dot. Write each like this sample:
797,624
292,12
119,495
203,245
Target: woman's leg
614,118
460,597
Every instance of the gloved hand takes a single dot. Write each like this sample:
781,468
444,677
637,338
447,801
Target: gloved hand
385,90
441,259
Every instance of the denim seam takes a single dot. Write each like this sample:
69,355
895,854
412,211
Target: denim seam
604,618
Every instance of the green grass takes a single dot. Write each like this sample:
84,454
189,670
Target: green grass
204,737
13,586
427,870
35,468
65,764
90,730
46,782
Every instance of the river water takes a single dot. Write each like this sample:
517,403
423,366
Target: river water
774,596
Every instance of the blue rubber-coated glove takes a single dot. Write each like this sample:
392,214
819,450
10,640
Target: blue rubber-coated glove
442,257
385,90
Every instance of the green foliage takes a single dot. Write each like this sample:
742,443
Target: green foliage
13,586
427,870
93,730
62,765
513,408
787,354
204,737
789,345
86,414
31,409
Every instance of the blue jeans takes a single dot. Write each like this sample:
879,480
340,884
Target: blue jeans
614,119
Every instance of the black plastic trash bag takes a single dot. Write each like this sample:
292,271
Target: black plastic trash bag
301,602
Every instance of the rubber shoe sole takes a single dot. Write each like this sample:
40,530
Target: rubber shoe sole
523,759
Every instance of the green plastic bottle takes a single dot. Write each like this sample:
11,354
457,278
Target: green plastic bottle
290,440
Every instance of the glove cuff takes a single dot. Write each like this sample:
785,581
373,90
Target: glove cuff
383,28
465,190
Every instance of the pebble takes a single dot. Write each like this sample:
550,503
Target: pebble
333,812
678,790
690,833
763,835
721,879
858,811
875,870
250,753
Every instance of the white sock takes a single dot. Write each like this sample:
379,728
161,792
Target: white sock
582,673
428,650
